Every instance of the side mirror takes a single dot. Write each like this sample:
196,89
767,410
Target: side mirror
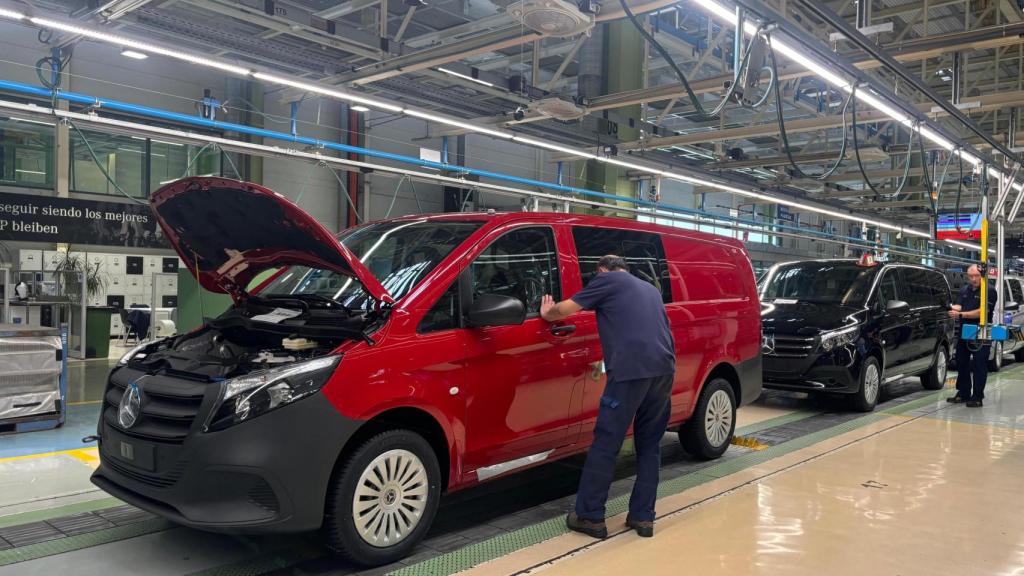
495,310
896,306
1011,306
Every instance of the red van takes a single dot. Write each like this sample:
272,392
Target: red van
369,375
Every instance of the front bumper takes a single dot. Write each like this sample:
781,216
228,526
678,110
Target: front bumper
268,474
836,371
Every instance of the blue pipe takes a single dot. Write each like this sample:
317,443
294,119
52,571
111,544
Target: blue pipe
272,135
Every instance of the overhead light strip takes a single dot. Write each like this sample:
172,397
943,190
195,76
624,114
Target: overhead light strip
465,77
712,6
125,42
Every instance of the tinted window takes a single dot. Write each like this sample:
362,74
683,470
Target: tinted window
643,251
399,254
1016,294
522,264
888,288
445,314
940,288
843,283
916,289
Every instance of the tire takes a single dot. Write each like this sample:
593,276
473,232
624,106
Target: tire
935,377
870,386
995,363
408,499
708,433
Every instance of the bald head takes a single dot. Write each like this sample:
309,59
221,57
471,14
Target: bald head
974,276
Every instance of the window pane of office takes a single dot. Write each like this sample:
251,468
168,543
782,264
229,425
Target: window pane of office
26,153
123,157
170,161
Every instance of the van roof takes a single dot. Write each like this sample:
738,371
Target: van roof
855,260
499,218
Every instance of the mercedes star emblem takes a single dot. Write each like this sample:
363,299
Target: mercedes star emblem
768,344
131,405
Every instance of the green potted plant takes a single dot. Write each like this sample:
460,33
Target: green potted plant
74,272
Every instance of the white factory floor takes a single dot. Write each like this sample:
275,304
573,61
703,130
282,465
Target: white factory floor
918,487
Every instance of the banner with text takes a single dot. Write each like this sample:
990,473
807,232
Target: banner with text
75,221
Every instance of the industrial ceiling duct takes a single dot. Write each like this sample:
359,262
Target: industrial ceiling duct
558,18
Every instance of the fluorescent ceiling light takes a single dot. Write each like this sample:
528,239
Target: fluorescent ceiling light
36,172
125,42
158,141
135,55
457,123
358,108
326,92
30,121
465,77
555,147
11,14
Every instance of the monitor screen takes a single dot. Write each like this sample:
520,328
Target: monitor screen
970,226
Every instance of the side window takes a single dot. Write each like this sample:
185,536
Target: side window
940,288
643,251
522,264
445,314
1016,292
888,289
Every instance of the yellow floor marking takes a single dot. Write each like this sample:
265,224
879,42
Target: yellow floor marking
73,453
84,402
90,456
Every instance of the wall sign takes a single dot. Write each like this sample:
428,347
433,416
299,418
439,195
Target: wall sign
75,221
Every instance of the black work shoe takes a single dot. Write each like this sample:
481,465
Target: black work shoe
956,399
974,404
643,529
588,527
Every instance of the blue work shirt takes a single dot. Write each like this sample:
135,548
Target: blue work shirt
970,299
633,326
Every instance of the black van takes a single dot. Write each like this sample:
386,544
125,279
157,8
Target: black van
844,327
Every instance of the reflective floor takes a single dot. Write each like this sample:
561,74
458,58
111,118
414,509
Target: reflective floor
918,487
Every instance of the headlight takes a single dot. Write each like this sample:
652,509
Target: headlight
131,353
837,338
257,393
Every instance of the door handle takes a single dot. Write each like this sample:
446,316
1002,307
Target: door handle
563,330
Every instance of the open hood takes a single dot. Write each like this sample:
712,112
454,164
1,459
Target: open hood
229,231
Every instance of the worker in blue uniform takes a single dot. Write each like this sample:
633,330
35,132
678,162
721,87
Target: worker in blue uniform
971,356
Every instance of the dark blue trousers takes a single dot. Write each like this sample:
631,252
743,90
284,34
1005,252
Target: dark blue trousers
971,369
646,404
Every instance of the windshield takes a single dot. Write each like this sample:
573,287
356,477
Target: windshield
399,254
842,283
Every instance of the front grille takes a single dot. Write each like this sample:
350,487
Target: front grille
169,406
165,480
262,495
787,346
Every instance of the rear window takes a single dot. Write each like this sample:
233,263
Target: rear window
643,251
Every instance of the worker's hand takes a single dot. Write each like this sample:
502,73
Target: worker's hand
954,313
547,303
956,307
